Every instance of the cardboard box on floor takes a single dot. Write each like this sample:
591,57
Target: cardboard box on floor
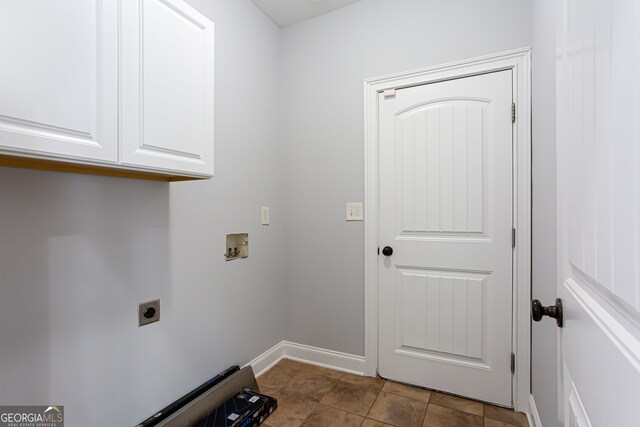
245,409
197,410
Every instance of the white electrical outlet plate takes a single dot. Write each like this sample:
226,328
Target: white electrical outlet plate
265,216
355,212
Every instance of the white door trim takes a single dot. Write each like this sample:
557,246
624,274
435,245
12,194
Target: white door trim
519,62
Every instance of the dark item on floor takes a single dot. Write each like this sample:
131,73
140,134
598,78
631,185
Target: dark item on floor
246,409
175,406
194,411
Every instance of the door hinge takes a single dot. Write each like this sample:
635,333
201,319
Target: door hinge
378,250
513,363
513,237
513,112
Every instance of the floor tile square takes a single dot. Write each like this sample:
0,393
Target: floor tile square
407,391
309,384
319,370
324,416
488,422
350,398
292,365
368,422
278,377
362,381
453,402
292,410
505,415
398,410
439,416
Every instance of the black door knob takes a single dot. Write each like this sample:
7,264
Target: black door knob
538,311
387,251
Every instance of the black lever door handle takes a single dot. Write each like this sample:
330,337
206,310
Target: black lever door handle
538,311
387,251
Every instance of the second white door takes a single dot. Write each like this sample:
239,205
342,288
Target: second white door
445,293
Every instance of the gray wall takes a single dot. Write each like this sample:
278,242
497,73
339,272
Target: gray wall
544,278
326,61
77,253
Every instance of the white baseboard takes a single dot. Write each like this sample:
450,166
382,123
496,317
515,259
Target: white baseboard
532,413
266,360
326,358
312,355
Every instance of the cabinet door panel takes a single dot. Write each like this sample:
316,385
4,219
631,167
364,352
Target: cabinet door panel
167,87
58,79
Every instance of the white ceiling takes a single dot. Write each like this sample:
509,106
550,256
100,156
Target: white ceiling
287,12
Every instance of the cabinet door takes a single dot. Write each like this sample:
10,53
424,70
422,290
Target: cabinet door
58,79
167,87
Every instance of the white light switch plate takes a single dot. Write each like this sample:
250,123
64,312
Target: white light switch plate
355,212
265,216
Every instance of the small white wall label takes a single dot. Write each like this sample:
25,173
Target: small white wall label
355,212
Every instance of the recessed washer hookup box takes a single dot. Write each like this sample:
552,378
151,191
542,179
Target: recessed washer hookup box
245,409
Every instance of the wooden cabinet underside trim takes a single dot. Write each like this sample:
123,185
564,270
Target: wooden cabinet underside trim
62,166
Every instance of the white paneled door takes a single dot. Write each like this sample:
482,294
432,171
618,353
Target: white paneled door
445,292
598,137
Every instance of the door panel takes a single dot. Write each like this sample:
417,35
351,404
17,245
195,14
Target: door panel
454,198
598,105
442,312
167,79
58,69
445,295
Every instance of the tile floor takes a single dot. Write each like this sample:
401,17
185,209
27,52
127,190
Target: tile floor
312,396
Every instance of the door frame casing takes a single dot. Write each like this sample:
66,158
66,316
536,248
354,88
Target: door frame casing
518,61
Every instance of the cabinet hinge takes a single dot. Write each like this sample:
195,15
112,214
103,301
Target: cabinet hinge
513,363
513,112
513,237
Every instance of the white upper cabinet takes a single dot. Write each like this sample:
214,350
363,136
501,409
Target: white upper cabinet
113,85
58,79
167,87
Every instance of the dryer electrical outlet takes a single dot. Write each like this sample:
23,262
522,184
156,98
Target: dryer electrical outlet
355,212
148,312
